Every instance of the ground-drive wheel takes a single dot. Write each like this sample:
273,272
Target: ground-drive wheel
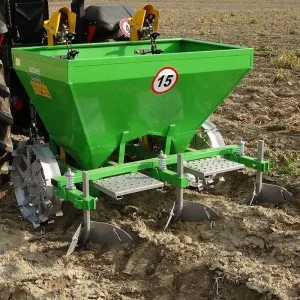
208,136
33,167
6,121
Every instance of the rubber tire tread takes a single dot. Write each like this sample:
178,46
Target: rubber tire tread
6,121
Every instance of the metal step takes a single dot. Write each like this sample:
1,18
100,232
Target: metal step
121,185
207,167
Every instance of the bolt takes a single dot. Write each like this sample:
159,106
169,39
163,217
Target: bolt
162,161
70,179
241,149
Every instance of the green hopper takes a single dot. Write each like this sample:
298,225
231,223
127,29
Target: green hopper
91,101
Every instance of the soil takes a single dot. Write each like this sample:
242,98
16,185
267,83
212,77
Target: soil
250,252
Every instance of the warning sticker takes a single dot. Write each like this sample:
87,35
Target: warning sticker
164,80
40,89
125,27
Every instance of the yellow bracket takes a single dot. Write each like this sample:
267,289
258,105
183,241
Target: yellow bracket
137,21
52,25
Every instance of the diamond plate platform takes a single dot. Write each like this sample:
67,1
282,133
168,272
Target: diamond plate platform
211,166
121,185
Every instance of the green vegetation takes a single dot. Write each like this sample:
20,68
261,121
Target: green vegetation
282,75
264,48
254,21
286,60
287,165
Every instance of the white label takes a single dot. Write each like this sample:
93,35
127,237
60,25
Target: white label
35,71
125,27
18,62
164,80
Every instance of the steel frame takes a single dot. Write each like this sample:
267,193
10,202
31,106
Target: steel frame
150,167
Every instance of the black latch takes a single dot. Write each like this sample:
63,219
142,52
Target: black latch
153,49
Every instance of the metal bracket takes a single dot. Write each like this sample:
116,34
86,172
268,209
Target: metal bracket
169,139
144,164
168,176
188,210
267,193
122,147
249,162
76,198
95,232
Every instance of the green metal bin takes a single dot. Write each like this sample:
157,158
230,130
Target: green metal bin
108,94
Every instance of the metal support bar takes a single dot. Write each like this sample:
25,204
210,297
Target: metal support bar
267,193
260,158
179,190
86,213
169,139
145,164
168,176
249,162
189,211
76,197
122,147
95,232
259,174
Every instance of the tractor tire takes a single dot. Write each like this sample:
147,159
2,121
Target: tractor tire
6,121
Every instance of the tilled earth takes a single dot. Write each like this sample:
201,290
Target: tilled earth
250,252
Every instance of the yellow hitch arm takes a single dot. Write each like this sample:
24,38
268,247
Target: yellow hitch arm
141,20
60,22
